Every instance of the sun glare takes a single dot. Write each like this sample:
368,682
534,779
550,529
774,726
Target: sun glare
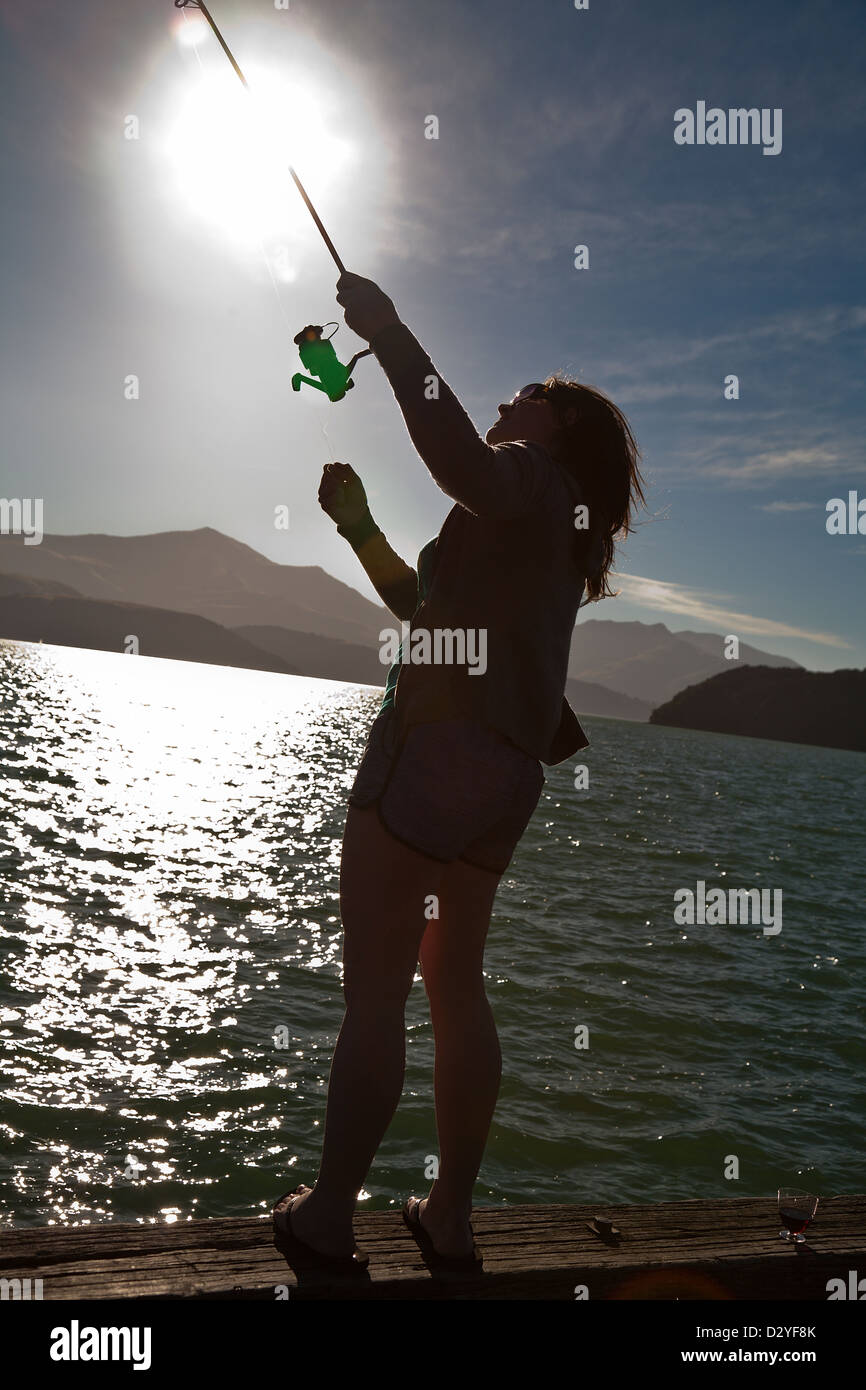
231,149
190,32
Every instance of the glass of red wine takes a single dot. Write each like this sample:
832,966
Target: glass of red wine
796,1208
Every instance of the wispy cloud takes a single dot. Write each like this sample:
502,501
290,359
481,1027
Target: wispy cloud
788,507
785,332
782,463
747,456
662,595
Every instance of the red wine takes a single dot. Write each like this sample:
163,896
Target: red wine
796,1221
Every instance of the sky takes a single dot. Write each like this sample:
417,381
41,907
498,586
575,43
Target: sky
151,231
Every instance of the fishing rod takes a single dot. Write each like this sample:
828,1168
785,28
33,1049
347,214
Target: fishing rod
316,353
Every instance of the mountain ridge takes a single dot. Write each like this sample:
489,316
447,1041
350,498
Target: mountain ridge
649,662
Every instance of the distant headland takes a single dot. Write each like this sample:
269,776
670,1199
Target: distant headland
826,708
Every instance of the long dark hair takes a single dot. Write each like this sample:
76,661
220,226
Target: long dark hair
601,453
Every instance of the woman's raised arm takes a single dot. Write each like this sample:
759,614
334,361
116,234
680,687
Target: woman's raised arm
501,480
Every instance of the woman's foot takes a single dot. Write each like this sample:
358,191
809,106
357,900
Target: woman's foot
322,1233
451,1236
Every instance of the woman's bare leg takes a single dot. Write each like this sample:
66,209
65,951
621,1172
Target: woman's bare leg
468,1063
383,888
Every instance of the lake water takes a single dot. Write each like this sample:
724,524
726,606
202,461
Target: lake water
170,951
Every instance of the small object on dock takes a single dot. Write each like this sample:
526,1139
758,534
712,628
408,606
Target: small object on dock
604,1228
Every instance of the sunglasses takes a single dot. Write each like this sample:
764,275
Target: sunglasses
533,391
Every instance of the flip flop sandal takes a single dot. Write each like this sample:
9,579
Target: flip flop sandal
286,1241
457,1264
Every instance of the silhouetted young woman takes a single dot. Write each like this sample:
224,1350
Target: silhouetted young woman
453,766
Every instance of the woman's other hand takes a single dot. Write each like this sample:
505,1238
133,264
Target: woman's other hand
341,494
367,308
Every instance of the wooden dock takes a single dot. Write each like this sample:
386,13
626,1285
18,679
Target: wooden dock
728,1249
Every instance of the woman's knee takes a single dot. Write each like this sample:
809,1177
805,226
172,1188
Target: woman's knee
450,992
371,983
372,1004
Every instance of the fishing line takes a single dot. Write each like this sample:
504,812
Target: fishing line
326,372
265,257
328,442
200,5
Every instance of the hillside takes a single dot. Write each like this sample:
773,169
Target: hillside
313,655
201,572
649,662
35,588
826,708
81,622
587,698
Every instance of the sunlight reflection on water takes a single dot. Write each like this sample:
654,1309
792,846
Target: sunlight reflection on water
170,991
168,822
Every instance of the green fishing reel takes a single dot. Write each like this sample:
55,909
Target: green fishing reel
327,372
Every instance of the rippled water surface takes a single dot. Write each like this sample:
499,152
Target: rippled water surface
170,986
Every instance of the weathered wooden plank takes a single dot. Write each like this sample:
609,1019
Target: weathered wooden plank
686,1250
